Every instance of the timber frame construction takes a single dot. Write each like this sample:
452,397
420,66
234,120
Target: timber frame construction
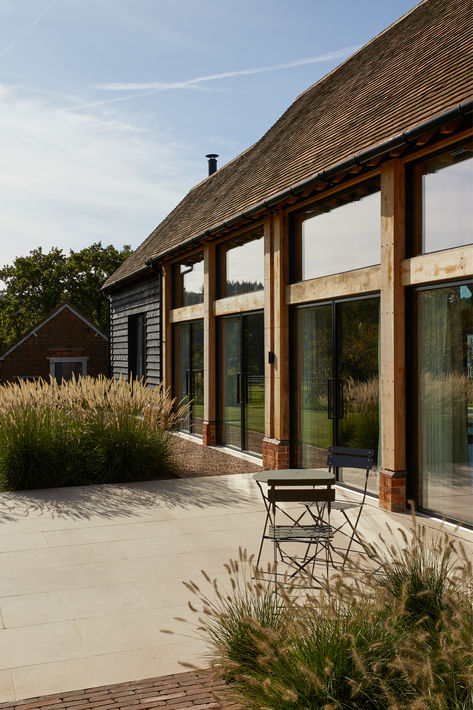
412,107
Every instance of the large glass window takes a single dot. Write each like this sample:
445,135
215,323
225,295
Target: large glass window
336,387
443,200
241,264
188,281
445,400
341,233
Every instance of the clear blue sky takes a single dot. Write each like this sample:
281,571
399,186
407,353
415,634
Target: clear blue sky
107,107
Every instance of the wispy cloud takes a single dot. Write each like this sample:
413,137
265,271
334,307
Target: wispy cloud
29,27
191,83
70,179
92,104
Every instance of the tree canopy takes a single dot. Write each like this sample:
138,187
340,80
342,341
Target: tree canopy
37,283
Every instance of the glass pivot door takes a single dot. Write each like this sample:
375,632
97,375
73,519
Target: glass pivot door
336,385
189,373
241,401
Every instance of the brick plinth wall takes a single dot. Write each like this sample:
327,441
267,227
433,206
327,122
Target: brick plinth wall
392,490
209,433
275,454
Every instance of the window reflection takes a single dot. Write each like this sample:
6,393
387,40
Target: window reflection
445,400
242,264
443,203
189,281
338,234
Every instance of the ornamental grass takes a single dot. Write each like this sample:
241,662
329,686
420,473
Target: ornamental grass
85,430
398,637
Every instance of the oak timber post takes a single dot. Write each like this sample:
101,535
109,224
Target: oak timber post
276,442
392,483
209,425
167,327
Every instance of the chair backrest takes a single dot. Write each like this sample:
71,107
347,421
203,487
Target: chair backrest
284,493
343,457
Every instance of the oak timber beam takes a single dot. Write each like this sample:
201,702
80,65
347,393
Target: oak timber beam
177,315
268,327
347,283
253,301
440,265
209,430
167,327
392,323
280,327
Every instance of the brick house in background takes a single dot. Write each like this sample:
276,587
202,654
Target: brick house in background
64,343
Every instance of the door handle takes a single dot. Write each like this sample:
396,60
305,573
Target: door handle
187,383
238,397
244,382
341,400
330,398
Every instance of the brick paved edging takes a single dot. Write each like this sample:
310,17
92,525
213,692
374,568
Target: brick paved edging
193,690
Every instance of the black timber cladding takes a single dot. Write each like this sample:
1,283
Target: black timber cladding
142,296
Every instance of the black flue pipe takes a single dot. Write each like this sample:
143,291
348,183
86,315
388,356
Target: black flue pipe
212,162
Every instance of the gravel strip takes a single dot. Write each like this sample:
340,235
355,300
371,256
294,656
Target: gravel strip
194,459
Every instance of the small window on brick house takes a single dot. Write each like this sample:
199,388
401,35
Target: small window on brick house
66,368
137,346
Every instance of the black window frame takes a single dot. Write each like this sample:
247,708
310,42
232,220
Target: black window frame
133,321
177,281
414,200
295,234
221,261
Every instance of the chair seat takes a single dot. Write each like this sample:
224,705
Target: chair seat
344,505
298,532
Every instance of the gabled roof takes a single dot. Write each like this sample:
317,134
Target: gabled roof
417,68
49,317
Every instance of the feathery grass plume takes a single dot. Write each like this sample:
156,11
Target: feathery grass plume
397,639
85,430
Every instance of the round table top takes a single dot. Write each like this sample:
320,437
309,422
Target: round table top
308,476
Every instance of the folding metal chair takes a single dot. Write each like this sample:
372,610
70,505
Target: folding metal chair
315,537
342,457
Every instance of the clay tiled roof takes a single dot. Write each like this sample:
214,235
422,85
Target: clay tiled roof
417,68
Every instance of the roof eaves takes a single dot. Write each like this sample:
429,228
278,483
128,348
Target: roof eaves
409,136
128,277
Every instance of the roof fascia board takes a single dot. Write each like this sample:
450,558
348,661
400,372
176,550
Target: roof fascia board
409,136
148,269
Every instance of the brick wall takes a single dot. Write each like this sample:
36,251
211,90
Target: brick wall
275,454
65,335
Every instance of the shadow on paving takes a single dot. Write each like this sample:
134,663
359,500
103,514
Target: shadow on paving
109,501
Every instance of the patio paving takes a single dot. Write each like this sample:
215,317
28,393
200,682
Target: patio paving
89,576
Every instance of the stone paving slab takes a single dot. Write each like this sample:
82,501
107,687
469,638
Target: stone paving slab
195,690
90,576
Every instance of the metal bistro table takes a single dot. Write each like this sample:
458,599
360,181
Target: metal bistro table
312,488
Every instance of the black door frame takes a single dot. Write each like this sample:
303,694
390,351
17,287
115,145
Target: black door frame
240,377
333,302
189,371
412,393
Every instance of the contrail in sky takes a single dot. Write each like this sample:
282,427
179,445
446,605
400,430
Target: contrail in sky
29,27
190,83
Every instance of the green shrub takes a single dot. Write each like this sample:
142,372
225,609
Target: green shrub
38,449
125,448
84,431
